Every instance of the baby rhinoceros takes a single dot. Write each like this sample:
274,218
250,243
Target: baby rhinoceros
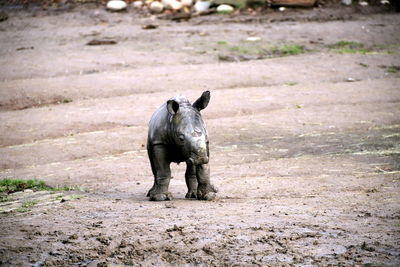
177,133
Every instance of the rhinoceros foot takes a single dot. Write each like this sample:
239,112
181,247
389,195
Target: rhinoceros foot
191,194
161,197
206,192
209,196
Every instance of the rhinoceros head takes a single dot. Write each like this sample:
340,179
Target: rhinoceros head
189,132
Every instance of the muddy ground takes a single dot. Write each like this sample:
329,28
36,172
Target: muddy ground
305,148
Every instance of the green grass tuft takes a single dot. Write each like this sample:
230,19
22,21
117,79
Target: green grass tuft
292,83
222,43
8,186
66,188
4,198
352,51
290,49
14,185
393,69
350,47
344,44
27,205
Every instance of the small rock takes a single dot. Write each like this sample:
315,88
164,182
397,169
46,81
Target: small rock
156,7
282,8
28,191
101,42
293,3
234,3
123,244
3,16
350,79
25,48
201,6
137,4
149,27
167,3
116,5
367,247
188,3
74,236
347,2
225,9
253,39
363,3
176,5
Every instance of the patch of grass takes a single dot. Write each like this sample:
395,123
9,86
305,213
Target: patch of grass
66,188
344,44
352,51
393,69
350,47
14,185
267,51
73,197
4,198
66,100
244,50
292,83
59,197
390,69
289,49
222,43
8,186
237,48
27,205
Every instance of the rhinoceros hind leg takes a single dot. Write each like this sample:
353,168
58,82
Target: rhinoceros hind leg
162,174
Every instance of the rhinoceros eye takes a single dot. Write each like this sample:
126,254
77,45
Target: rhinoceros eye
181,137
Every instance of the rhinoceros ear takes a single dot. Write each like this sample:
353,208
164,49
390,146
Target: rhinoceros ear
172,106
202,102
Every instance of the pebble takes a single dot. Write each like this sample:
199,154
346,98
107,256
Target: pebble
176,5
253,39
156,7
116,5
167,3
225,9
187,2
201,6
137,4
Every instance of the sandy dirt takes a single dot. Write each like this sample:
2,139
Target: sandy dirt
305,149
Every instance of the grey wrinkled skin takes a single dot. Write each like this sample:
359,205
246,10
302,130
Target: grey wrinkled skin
177,134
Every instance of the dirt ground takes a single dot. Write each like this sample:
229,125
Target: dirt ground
305,149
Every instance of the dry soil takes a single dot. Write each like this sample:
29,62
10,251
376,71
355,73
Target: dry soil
305,149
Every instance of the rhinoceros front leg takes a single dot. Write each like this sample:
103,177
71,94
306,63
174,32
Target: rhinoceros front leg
205,191
191,180
162,174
